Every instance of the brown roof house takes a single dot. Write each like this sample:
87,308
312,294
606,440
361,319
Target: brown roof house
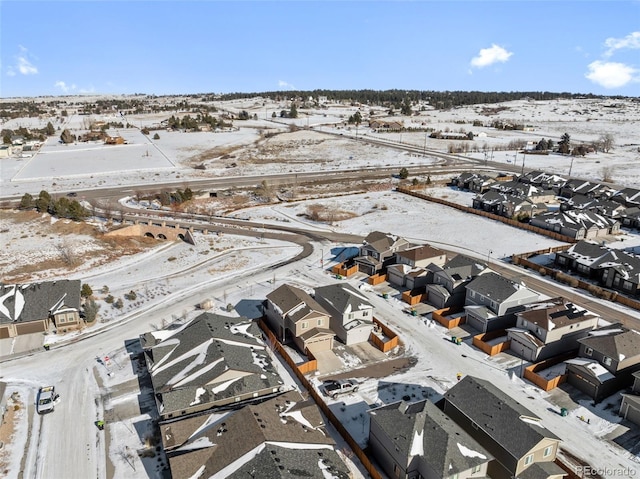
492,301
282,437
377,251
351,312
607,359
212,362
36,307
548,328
447,288
419,440
293,314
410,268
516,438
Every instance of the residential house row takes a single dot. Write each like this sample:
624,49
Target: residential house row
576,208
224,410
477,431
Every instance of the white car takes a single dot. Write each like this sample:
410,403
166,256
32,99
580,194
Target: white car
46,399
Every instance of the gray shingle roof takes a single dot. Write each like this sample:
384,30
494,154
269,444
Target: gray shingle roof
494,286
542,470
515,428
211,358
614,341
343,297
461,267
35,301
213,442
445,447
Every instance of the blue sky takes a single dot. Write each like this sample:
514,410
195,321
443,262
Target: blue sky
174,47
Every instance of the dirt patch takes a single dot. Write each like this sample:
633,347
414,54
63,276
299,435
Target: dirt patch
379,370
325,214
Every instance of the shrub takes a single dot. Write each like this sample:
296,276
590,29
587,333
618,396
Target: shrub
86,291
109,299
118,304
131,295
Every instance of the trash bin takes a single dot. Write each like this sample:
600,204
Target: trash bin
414,312
453,339
564,411
385,295
458,340
46,347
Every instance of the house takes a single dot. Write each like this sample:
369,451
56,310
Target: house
627,196
607,359
577,224
377,251
473,182
547,181
268,439
114,140
410,264
448,286
613,269
6,151
386,124
587,188
419,440
516,438
492,300
213,361
548,328
37,307
292,313
508,205
351,312
630,217
630,406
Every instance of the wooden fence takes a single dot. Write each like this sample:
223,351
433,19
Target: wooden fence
377,279
355,447
381,344
440,315
414,297
343,270
530,372
493,216
481,341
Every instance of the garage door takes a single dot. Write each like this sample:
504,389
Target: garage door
319,345
28,328
632,414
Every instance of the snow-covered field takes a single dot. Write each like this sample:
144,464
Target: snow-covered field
170,279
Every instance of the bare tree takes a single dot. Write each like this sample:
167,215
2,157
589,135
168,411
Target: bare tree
607,142
607,174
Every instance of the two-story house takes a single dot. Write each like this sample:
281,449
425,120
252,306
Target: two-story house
516,438
548,328
608,357
377,251
492,301
410,266
351,313
448,286
294,314
419,440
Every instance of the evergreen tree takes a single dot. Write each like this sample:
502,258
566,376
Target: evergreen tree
293,113
27,202
50,130
564,145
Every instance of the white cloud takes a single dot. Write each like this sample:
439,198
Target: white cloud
63,86
631,41
489,56
284,84
611,74
24,66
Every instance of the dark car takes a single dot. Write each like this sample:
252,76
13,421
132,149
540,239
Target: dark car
72,194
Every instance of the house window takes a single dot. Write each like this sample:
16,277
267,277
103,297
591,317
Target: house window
627,286
588,351
606,361
304,325
62,319
547,451
396,470
351,315
528,460
320,322
474,425
365,314
476,469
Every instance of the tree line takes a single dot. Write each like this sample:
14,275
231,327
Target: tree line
62,207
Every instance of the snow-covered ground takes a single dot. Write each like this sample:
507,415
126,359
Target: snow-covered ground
169,280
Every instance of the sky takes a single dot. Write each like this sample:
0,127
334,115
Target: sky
181,47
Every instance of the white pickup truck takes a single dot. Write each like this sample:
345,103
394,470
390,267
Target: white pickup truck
333,388
46,399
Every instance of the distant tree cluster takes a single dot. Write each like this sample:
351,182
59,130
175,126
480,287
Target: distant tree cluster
191,123
168,198
61,208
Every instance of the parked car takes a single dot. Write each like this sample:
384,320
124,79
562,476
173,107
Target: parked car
334,388
72,194
46,399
